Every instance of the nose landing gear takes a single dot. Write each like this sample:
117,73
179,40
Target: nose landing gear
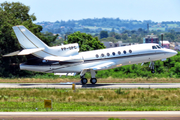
151,65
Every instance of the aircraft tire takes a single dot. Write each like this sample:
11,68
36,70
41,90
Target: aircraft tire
84,81
152,71
93,80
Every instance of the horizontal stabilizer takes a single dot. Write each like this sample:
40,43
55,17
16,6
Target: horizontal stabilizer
67,59
24,52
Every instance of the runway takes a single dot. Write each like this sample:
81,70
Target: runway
79,86
172,115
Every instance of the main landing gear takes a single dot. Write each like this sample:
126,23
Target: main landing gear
84,81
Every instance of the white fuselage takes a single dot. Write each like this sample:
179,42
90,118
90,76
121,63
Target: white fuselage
134,54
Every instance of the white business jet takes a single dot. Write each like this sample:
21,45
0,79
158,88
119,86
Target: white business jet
66,59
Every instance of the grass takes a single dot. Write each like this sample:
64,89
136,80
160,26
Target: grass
100,80
157,28
91,99
173,25
94,28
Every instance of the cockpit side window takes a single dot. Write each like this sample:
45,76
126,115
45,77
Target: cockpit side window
158,46
154,47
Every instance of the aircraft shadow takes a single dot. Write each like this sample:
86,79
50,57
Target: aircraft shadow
41,84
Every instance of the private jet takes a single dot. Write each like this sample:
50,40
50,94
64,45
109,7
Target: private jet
67,60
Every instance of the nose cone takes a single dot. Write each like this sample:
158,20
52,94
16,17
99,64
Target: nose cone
175,52
171,53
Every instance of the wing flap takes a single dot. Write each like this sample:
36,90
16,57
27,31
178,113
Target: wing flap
24,52
103,66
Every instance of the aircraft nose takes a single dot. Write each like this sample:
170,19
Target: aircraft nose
172,52
175,52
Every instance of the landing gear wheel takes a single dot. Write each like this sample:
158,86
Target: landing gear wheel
84,81
152,71
93,80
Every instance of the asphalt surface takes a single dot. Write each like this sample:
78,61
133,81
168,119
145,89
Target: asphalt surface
168,115
78,85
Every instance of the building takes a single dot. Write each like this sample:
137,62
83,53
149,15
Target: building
151,39
155,39
108,44
165,44
118,44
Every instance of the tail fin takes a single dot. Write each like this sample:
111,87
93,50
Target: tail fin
27,39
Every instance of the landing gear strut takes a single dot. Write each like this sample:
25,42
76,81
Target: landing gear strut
83,80
152,67
93,78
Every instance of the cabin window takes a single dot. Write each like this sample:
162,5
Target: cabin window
113,53
124,52
119,52
108,54
102,55
64,48
97,55
130,51
154,47
158,46
75,47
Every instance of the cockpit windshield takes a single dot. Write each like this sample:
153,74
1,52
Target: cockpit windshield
158,46
154,47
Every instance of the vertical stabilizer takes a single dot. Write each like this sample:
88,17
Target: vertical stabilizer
27,39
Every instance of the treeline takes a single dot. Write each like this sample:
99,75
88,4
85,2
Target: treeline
98,24
128,36
136,36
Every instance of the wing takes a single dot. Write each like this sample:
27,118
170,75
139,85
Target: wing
98,67
103,66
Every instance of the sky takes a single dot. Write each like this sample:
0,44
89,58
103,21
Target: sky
53,10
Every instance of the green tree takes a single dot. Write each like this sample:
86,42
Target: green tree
50,38
12,14
170,36
111,39
112,34
124,36
133,36
86,41
117,36
103,34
